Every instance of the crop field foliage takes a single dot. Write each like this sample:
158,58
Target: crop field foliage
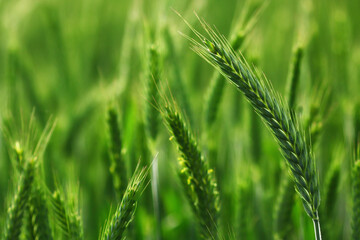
179,119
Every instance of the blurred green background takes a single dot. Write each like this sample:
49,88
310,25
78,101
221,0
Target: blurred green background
72,59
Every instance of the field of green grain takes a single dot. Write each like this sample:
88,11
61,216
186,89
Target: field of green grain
193,119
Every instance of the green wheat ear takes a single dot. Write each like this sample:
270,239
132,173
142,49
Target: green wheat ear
38,216
117,168
26,141
197,178
19,203
67,219
28,146
270,107
115,226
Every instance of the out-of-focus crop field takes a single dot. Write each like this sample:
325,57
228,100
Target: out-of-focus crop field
113,127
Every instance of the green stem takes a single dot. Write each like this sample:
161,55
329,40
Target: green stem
317,228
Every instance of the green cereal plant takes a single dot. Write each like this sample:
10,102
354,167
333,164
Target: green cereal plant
27,149
197,178
117,167
25,139
38,216
271,108
67,218
115,226
20,200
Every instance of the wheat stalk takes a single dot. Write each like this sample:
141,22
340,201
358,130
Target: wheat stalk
274,112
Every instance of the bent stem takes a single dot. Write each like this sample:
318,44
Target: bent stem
317,228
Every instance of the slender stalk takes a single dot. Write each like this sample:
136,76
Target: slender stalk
317,229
